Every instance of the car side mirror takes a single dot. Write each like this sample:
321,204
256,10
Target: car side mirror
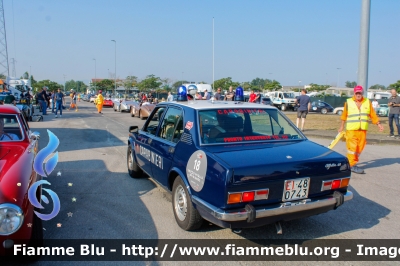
133,129
35,135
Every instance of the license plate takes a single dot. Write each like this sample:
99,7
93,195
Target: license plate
296,189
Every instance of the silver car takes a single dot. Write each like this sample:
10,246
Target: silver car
122,105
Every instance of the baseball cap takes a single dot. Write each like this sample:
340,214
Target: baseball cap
358,88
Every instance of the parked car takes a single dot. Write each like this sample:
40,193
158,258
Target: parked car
212,158
92,98
266,101
142,110
26,107
19,147
108,102
382,110
338,110
321,107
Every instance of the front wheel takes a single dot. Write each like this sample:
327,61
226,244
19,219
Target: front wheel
340,112
186,216
283,107
324,111
133,169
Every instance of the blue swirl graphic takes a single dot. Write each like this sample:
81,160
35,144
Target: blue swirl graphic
34,202
42,155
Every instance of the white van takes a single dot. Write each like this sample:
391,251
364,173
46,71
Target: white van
200,88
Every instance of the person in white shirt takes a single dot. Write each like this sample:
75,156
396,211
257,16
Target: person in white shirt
170,97
375,104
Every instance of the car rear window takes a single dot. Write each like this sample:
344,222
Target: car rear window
245,125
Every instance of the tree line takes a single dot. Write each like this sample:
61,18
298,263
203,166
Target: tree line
154,83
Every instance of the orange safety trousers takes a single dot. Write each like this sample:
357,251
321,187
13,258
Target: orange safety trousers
355,142
99,107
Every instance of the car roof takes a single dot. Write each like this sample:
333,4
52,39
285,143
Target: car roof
9,109
204,104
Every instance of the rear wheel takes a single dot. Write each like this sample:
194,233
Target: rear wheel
283,107
186,216
339,112
133,169
324,111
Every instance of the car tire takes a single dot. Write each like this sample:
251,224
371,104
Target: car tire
283,107
133,169
340,112
324,111
132,112
186,216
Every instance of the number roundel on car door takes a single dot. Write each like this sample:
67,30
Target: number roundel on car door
196,170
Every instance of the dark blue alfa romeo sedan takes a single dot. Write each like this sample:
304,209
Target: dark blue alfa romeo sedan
236,164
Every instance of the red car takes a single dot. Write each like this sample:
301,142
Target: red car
108,102
18,148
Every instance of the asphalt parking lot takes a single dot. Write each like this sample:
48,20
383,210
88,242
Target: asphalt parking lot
100,201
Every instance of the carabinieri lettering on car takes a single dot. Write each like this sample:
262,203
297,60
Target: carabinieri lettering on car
236,167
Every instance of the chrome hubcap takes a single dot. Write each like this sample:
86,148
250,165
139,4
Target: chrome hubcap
180,203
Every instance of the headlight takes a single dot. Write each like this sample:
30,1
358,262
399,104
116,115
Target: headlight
11,218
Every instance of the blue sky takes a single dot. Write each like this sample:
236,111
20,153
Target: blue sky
285,40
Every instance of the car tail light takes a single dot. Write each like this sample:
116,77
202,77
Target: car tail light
234,198
248,196
261,194
345,182
335,184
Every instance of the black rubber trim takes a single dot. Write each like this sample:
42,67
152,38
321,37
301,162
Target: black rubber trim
252,213
339,198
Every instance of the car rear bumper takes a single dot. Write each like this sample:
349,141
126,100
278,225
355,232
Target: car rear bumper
282,209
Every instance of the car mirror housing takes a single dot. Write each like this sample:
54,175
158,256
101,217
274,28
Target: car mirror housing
133,129
35,135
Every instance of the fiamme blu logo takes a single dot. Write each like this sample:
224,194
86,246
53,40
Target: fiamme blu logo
44,169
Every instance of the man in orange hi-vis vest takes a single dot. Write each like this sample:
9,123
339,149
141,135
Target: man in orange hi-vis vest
356,113
99,102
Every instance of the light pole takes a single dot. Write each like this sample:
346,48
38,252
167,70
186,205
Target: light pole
115,78
94,73
64,83
299,85
338,70
30,76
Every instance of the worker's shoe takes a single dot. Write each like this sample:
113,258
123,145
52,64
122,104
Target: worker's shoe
357,170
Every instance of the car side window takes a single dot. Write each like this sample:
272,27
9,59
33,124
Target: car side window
172,125
153,121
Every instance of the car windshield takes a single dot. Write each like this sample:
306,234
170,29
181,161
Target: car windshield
288,95
384,105
10,129
245,125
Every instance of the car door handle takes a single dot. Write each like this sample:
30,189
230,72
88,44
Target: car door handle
149,141
171,149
